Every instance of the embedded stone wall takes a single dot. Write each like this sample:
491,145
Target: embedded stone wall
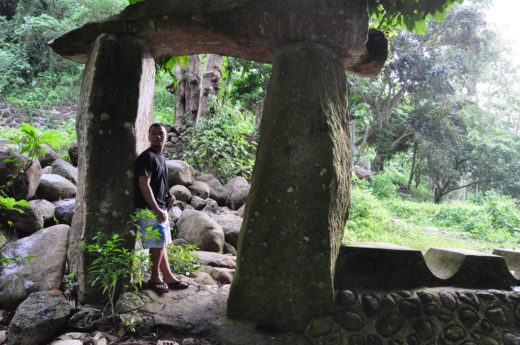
13,116
421,316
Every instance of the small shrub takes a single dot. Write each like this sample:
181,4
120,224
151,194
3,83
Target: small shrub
383,186
218,144
183,260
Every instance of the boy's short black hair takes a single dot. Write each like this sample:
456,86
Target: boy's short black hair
156,124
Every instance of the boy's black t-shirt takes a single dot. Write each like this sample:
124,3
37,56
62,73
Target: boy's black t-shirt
152,165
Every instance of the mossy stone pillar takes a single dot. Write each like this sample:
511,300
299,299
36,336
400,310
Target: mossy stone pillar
115,110
299,198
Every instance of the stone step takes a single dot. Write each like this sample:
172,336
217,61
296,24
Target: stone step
383,265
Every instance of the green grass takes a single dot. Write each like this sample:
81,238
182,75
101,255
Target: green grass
423,225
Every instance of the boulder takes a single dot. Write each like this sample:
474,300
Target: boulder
65,169
217,260
198,203
39,318
48,156
85,319
64,210
200,229
53,187
200,189
181,193
26,184
32,218
231,225
240,211
45,270
363,173
229,249
73,153
175,213
220,275
47,170
217,191
237,190
180,172
211,206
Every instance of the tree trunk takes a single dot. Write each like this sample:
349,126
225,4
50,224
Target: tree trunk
412,169
353,141
362,145
179,92
193,87
210,81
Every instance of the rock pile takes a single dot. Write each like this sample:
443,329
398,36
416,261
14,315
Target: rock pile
206,214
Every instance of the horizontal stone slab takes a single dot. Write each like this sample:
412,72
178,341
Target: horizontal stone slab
388,266
512,258
250,29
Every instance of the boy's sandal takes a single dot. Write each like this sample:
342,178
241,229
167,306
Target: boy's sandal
178,285
159,287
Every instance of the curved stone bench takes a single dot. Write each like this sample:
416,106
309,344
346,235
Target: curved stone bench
383,265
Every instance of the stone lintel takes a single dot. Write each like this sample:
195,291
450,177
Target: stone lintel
298,203
249,29
115,110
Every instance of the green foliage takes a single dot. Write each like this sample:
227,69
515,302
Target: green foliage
218,144
114,264
383,186
503,212
464,225
183,260
409,14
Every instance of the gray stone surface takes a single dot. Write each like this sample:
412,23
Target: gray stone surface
26,184
231,225
197,203
181,193
201,230
38,318
200,189
298,202
235,28
180,172
47,157
64,210
66,170
49,246
53,187
217,190
33,217
114,114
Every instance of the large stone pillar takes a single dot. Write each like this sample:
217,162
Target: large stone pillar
298,203
115,110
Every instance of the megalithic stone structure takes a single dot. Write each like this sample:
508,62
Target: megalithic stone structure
115,110
304,143
298,203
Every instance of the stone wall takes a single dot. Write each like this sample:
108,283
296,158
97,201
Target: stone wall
421,316
13,116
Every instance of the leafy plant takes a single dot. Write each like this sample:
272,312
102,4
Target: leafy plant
183,260
114,264
218,144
